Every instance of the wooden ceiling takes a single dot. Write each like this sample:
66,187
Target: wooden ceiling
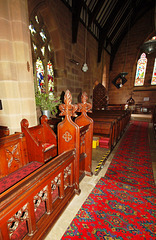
107,20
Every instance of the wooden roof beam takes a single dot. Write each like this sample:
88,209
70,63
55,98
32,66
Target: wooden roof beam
104,30
95,12
76,11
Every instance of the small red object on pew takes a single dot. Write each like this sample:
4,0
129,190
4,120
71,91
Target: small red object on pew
104,142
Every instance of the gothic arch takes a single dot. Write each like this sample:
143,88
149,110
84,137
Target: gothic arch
50,20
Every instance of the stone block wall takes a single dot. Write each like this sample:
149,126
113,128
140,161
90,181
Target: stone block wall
16,81
139,33
58,20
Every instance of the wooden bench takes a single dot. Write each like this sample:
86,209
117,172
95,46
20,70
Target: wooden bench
77,135
33,194
40,139
105,129
86,135
13,152
115,121
154,121
53,122
4,131
119,118
115,106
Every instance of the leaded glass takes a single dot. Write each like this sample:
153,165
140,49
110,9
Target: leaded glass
141,70
42,33
36,18
32,29
42,56
50,74
153,82
43,50
35,47
40,76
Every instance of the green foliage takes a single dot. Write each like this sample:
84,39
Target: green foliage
46,102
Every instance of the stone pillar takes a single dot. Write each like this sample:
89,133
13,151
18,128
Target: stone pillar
16,72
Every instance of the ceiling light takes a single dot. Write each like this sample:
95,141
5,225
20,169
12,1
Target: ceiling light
85,67
149,46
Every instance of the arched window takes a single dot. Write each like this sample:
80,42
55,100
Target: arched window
42,56
153,82
141,70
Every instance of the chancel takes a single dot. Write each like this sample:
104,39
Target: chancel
77,119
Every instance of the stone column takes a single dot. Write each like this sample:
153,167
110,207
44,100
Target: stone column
16,72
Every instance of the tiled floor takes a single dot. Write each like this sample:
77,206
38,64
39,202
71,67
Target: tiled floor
86,185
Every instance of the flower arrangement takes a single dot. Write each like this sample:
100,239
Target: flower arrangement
46,102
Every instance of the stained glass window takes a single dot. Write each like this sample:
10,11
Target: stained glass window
42,56
50,73
40,76
153,82
141,70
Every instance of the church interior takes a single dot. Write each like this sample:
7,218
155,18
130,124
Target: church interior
77,119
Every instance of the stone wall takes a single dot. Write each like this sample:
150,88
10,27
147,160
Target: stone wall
58,20
138,34
16,80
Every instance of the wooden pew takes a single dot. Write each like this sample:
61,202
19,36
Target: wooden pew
13,152
115,106
84,121
121,118
114,121
40,139
106,129
154,120
4,131
53,122
29,207
76,135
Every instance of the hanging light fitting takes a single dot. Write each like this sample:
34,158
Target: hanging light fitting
149,46
85,67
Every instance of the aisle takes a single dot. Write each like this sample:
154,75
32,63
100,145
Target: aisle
86,186
122,204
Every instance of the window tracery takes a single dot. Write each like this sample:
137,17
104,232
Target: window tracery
42,56
142,65
153,82
141,70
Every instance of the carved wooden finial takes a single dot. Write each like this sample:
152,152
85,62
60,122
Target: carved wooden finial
67,97
68,109
84,97
84,106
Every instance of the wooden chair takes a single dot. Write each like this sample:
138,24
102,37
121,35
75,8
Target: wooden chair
40,139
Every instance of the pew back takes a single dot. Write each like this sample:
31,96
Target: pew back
4,131
31,206
13,152
41,140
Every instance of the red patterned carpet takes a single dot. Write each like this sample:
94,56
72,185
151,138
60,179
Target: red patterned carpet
123,203
132,162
